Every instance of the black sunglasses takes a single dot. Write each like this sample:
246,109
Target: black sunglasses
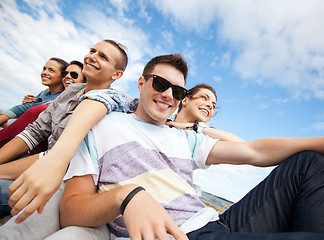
74,75
160,84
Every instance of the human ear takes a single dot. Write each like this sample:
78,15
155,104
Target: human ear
118,74
140,84
185,102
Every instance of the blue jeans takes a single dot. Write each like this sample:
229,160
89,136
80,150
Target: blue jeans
4,197
288,204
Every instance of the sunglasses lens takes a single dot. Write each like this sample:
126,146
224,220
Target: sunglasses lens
160,84
74,75
178,92
63,74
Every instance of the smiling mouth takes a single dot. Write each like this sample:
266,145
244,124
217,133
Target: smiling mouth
46,79
162,105
204,111
92,67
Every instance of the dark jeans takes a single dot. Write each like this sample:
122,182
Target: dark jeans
288,204
4,197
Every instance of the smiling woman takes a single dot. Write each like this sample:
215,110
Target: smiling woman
51,77
196,109
72,74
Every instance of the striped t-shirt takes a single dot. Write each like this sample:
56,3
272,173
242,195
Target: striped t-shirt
123,148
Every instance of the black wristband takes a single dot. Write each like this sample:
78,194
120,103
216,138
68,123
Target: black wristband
195,126
128,198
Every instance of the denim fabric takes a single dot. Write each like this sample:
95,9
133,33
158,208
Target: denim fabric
4,197
288,204
43,97
113,99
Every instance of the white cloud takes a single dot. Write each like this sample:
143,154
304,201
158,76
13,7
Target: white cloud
217,78
281,101
189,54
278,42
168,37
29,40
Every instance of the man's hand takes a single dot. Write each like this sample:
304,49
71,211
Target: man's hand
34,188
29,98
145,219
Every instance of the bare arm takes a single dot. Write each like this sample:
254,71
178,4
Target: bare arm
211,132
12,150
49,170
144,217
13,170
222,135
262,152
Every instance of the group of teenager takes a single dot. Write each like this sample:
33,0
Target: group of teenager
127,171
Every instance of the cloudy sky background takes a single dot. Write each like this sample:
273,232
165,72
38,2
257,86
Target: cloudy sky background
264,58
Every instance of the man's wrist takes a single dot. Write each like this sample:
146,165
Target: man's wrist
129,198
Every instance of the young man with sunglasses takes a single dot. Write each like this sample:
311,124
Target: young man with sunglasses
144,174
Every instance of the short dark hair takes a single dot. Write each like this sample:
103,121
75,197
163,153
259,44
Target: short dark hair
175,60
80,64
191,92
63,63
122,62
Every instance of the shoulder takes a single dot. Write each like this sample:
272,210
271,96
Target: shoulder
43,93
73,89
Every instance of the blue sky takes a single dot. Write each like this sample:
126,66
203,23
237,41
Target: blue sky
264,58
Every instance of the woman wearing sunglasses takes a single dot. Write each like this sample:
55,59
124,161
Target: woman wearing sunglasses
72,74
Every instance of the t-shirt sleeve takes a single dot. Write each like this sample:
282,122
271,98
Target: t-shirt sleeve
201,146
113,99
85,160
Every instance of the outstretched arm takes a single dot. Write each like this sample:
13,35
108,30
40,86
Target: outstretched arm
144,217
211,132
262,152
44,177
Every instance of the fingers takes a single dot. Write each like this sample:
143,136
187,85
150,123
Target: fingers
31,208
176,232
29,98
15,191
162,234
23,194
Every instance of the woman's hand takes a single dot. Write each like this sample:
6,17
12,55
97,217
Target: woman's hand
29,98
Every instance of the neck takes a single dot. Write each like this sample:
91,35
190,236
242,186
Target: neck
95,86
55,89
182,118
143,115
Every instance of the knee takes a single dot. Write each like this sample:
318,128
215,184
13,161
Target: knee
4,197
307,160
36,110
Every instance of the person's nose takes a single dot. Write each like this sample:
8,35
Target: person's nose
92,57
209,105
167,94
